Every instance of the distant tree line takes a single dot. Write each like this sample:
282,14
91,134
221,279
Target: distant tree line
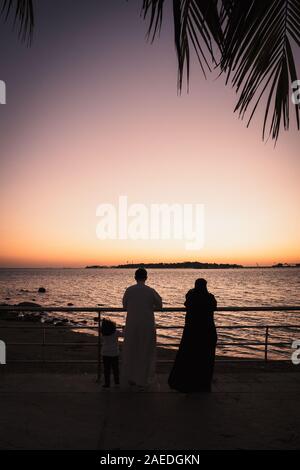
185,264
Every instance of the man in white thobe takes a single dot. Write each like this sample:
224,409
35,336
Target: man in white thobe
139,347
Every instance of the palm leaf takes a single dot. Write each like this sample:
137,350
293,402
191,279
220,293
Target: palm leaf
258,58
154,9
22,13
255,38
196,25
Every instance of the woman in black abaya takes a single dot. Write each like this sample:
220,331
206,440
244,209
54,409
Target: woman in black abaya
194,364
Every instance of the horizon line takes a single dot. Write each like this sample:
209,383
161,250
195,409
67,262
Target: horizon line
239,266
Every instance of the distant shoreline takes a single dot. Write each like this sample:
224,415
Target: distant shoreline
188,265
158,266
184,265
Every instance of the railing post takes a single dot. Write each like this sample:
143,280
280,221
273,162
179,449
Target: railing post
99,349
43,347
266,343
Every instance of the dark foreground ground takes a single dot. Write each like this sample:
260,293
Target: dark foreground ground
251,407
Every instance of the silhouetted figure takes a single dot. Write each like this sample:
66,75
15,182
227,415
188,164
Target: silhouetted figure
194,364
110,351
139,348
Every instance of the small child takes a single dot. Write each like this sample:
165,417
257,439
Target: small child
110,351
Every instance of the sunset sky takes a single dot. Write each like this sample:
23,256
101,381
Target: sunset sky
93,113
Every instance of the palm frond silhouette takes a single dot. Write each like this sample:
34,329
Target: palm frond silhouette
21,12
252,40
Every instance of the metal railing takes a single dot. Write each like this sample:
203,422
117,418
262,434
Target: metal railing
99,310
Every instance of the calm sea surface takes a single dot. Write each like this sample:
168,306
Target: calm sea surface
231,287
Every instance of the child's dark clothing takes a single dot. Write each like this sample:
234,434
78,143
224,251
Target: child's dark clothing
111,363
110,356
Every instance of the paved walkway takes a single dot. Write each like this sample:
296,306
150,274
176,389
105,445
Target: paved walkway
256,409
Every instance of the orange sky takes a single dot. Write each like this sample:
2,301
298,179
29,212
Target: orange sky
85,134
